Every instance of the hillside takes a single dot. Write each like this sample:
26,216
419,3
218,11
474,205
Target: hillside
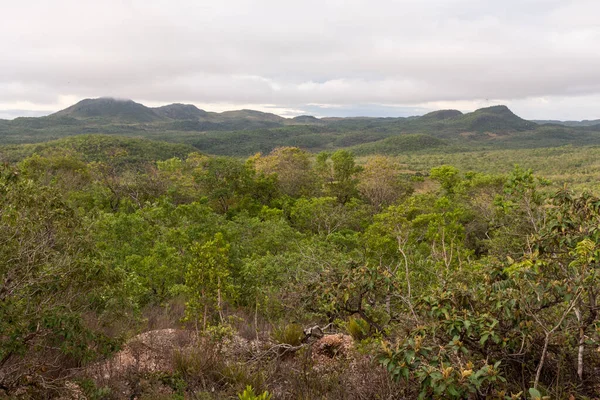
245,132
109,110
441,114
119,150
496,119
585,122
180,111
401,144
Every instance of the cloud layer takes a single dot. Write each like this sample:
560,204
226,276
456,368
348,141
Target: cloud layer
359,57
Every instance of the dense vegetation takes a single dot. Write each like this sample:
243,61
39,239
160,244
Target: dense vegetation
435,267
451,283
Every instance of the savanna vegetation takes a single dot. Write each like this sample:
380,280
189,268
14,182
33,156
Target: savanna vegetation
293,275
243,133
249,256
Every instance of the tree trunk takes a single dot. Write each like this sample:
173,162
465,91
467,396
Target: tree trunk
205,312
542,359
256,318
219,299
580,353
581,344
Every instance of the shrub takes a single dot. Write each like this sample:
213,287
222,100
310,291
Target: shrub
291,334
248,394
358,328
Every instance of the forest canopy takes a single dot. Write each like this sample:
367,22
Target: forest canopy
449,283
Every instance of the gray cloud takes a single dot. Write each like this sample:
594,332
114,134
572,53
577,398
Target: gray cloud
356,55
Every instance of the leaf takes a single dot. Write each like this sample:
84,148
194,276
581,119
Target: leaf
535,394
484,338
405,373
452,390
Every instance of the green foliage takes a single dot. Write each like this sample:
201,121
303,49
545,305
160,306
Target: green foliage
478,286
338,173
358,328
248,394
246,132
447,176
102,148
208,279
291,334
225,180
400,144
436,373
49,280
325,215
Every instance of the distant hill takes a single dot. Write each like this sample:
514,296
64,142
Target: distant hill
441,114
250,115
585,122
306,119
245,132
394,145
109,110
496,119
180,111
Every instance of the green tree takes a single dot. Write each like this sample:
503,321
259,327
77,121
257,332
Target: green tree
49,281
293,169
224,181
208,279
379,182
338,173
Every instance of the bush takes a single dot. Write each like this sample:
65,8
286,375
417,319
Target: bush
248,394
291,334
358,328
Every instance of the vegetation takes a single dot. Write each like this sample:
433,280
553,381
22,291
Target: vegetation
138,269
245,132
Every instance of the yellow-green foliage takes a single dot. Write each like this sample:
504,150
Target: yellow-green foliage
358,328
291,334
248,394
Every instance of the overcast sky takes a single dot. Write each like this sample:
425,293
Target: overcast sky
344,57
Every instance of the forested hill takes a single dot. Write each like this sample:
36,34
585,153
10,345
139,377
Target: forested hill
100,148
245,132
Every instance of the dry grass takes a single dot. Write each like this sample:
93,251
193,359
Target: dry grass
170,362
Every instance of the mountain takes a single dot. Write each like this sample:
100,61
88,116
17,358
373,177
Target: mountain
496,119
250,115
180,111
246,132
110,110
440,115
305,120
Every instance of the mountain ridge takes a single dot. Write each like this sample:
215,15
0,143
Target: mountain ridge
246,132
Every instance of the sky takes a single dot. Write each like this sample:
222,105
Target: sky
541,58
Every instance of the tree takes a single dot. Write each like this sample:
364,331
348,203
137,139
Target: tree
49,280
223,180
292,166
562,264
338,174
519,212
379,182
208,279
325,215
448,177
